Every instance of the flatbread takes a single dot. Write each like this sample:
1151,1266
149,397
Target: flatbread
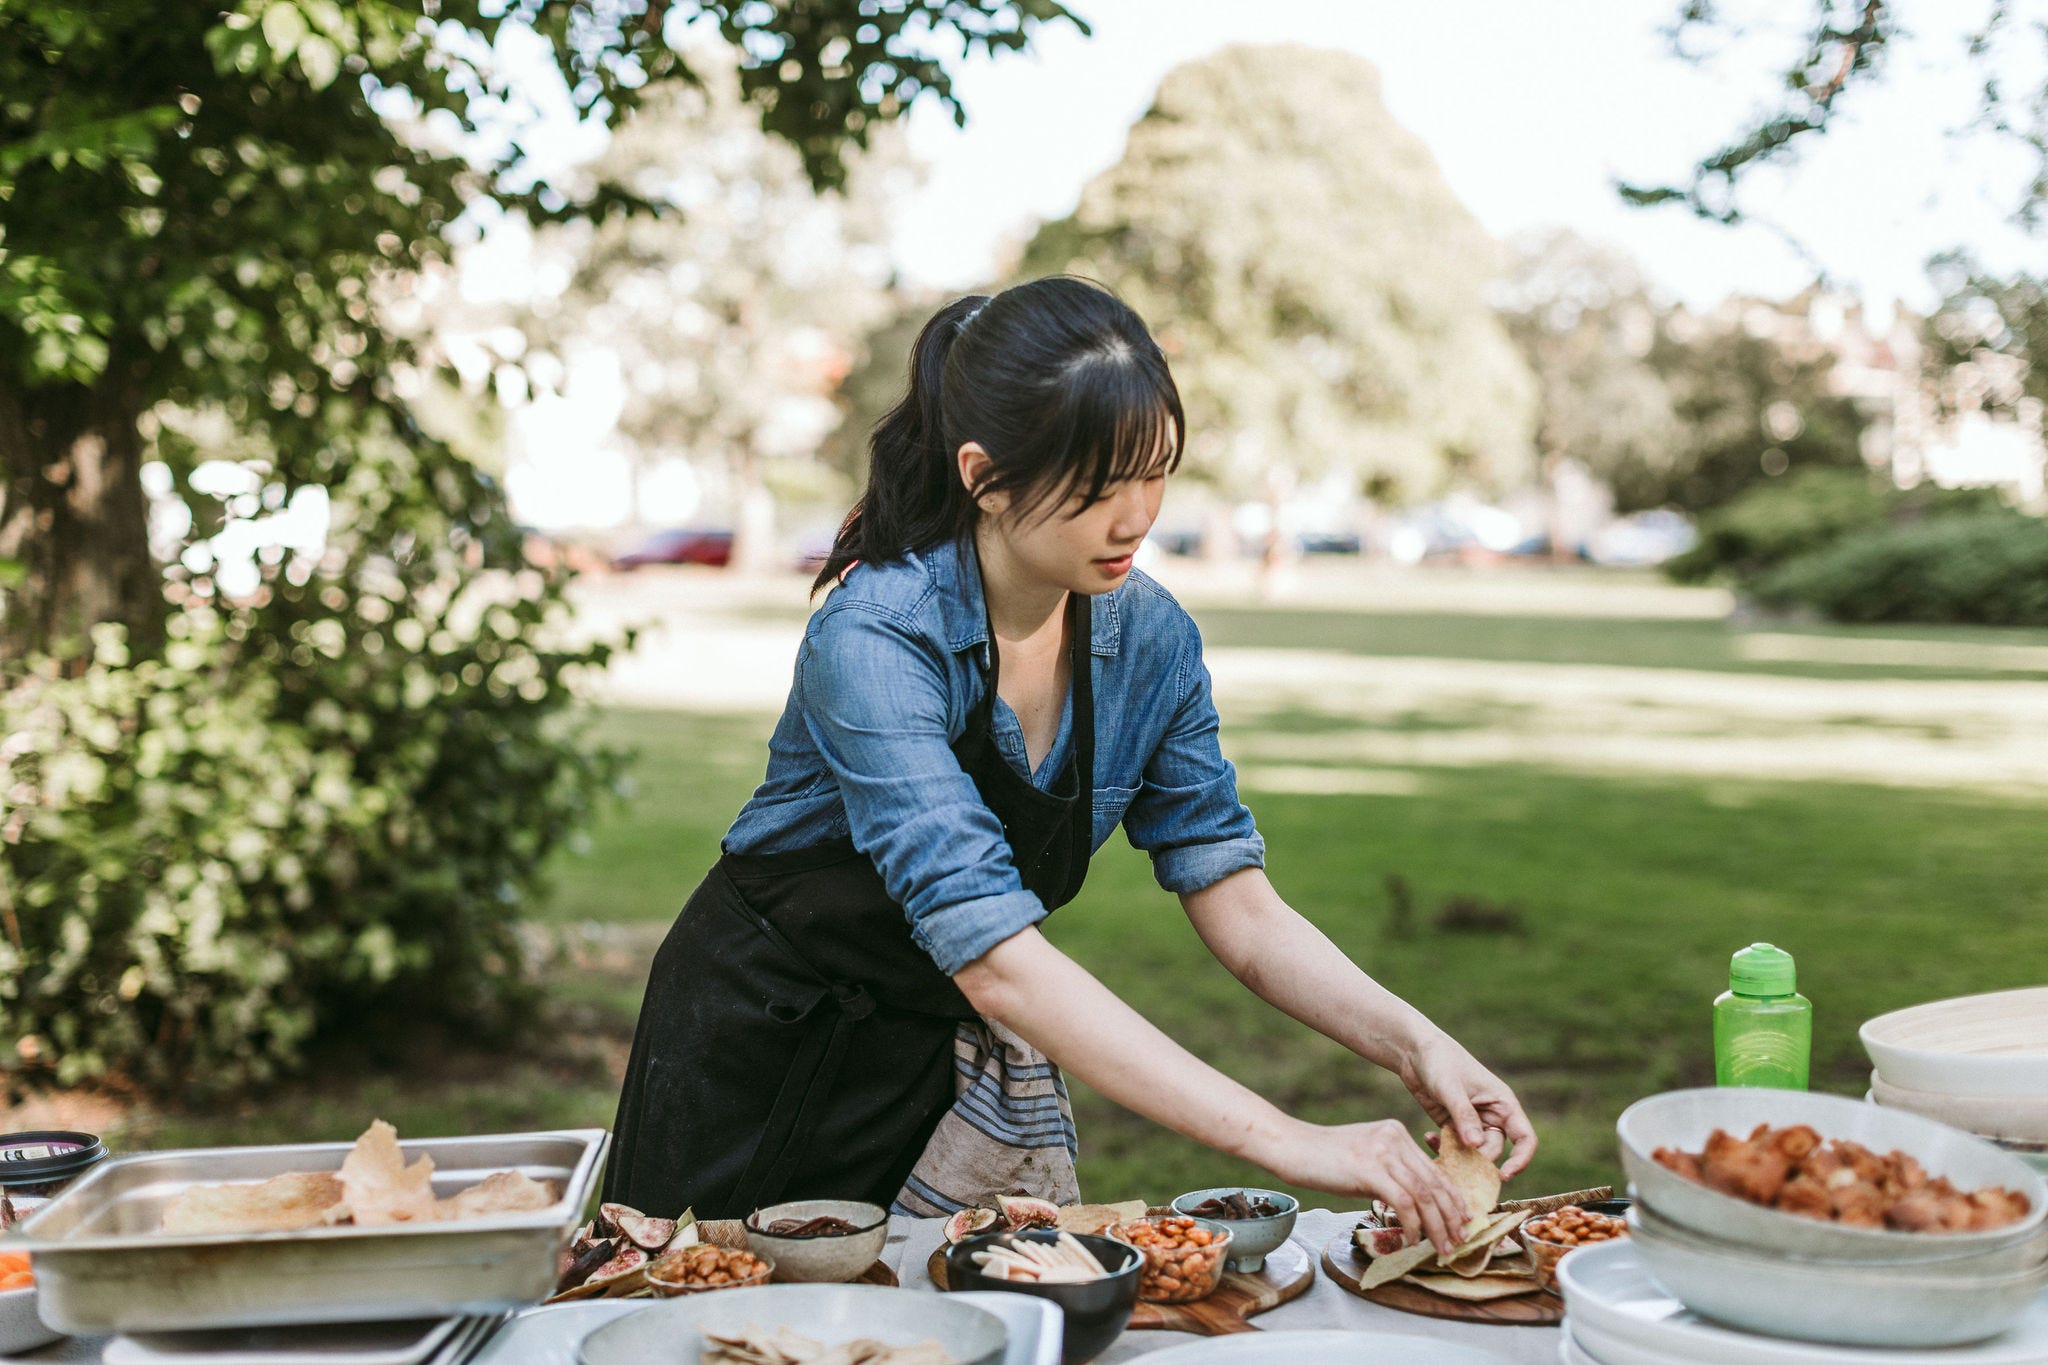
1477,1290
1470,1257
499,1192
1387,1269
381,1187
1097,1218
1476,1179
283,1203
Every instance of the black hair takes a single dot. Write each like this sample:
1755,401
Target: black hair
1057,379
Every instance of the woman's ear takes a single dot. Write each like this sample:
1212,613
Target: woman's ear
975,467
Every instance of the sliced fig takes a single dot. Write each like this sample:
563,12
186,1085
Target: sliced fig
608,1216
1021,1213
649,1234
1376,1242
967,1222
585,1263
585,1235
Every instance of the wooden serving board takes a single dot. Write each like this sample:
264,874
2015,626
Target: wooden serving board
1287,1275
1342,1263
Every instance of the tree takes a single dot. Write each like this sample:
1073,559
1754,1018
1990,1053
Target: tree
1315,283
1749,407
198,202
1840,56
1983,315
731,314
1585,321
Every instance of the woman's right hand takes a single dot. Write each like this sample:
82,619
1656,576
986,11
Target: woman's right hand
1374,1159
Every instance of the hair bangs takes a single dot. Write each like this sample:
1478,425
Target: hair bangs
1124,422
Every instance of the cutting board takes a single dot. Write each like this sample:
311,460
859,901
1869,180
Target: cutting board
1287,1274
1342,1263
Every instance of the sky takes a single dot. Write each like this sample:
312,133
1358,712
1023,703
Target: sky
1533,109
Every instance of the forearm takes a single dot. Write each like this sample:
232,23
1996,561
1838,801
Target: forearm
1289,963
1057,1006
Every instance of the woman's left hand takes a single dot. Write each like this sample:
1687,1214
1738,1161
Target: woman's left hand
1459,1093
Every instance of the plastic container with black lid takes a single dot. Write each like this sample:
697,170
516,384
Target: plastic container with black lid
42,1163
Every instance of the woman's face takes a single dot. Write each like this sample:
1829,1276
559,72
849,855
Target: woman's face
1082,548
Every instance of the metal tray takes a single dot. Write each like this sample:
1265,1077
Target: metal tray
103,1266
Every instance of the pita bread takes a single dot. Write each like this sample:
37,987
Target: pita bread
1476,1179
381,1188
1387,1269
283,1203
499,1192
1097,1218
1478,1290
1470,1257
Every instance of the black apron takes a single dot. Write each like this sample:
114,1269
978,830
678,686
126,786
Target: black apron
794,1041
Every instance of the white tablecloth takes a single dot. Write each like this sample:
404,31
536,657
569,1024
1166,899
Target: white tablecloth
1325,1305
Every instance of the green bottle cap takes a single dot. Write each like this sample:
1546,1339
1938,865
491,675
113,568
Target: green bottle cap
1761,969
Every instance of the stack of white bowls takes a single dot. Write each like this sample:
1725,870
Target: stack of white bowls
1784,1275
1978,1062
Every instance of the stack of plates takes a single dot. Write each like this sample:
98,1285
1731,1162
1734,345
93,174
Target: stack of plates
1616,1314
1762,1270
1978,1062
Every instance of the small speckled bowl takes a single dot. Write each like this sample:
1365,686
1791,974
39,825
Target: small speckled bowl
1251,1239
826,1259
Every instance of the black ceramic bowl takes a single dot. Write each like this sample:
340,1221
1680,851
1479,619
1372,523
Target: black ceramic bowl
1097,1311
1613,1208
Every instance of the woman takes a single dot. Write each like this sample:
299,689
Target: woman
857,1002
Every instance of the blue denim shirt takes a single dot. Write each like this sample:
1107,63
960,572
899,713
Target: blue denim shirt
889,670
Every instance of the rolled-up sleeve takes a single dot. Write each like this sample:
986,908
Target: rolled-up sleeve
874,697
1186,813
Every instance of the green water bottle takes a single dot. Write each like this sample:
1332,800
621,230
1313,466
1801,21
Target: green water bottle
1763,1028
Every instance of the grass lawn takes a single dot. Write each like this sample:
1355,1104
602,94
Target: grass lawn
1630,893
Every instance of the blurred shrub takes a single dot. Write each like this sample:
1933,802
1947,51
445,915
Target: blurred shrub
213,855
1987,569
1774,523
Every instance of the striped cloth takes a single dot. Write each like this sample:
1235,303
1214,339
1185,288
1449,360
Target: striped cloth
1010,1130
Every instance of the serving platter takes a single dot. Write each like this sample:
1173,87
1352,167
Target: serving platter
1343,1264
1286,1276
103,1264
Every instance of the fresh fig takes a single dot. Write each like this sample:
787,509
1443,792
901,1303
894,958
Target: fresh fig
649,1234
1021,1213
967,1222
1377,1242
586,1263
608,1216
585,1235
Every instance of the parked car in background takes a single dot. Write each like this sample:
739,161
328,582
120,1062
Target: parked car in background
682,546
1643,539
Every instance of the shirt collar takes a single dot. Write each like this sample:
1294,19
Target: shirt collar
957,580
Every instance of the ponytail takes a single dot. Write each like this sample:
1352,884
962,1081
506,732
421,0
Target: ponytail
914,494
1057,379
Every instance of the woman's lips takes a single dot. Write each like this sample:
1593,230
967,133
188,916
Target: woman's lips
1121,564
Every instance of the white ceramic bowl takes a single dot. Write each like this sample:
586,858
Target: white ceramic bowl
2003,1260
21,1328
820,1260
1684,1119
1994,1044
1849,1305
2022,1118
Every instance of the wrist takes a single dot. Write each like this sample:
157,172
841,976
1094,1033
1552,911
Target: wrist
1269,1136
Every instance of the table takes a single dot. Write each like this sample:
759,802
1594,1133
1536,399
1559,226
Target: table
911,1241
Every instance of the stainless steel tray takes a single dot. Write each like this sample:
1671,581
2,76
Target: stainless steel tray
102,1265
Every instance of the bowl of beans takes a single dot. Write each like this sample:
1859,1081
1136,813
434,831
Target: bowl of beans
1183,1256
1554,1235
695,1269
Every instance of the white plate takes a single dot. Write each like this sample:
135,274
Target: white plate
1325,1348
356,1343
1995,1044
1621,1317
21,1328
550,1336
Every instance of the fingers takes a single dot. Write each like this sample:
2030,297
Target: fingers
1496,1143
1508,1116
1463,1119
1441,1207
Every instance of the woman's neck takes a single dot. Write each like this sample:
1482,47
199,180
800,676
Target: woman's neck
1019,604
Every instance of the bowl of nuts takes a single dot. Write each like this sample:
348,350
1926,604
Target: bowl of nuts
1183,1256
1552,1236
695,1269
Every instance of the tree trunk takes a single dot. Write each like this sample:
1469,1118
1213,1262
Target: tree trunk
73,523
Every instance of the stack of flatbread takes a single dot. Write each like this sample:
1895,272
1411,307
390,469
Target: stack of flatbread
1487,1264
375,1187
